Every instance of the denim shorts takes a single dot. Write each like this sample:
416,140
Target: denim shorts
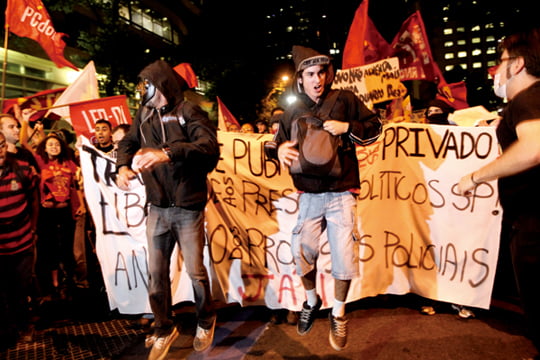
334,213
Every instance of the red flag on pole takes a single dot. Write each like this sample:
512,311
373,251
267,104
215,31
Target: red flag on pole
225,118
84,114
411,46
42,99
186,72
29,18
364,45
416,62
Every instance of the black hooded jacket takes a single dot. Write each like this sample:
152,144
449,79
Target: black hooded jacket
364,128
185,129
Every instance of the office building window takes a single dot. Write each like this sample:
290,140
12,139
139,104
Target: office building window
149,21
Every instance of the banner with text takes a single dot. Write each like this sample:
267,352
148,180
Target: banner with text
373,83
85,114
415,233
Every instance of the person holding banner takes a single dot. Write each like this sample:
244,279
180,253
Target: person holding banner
326,202
174,145
518,168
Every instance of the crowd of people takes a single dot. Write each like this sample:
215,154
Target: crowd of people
43,217
42,207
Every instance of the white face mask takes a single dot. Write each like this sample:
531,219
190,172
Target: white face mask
498,89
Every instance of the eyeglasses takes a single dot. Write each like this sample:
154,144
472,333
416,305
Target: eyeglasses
501,60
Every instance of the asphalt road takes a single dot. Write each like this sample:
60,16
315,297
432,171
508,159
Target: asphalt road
382,328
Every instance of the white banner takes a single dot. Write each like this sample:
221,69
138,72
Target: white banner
415,233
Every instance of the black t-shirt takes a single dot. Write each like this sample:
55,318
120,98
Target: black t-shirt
106,149
520,193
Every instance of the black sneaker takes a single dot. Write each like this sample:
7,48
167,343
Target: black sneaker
307,316
338,332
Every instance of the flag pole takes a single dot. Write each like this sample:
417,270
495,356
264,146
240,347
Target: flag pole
4,67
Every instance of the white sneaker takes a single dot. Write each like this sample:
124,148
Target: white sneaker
204,337
162,344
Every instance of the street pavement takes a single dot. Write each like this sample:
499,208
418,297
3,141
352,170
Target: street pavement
380,328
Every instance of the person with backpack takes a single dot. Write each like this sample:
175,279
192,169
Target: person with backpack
328,188
174,145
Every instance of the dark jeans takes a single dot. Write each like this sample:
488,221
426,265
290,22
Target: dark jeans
166,227
525,251
15,287
55,245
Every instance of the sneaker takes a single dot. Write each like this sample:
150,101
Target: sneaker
338,332
427,310
307,316
463,312
161,345
204,337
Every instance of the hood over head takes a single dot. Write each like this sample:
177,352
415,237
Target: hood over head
441,104
166,80
304,57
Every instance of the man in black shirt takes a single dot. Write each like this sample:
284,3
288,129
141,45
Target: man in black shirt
518,168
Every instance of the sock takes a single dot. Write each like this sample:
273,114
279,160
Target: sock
311,297
339,309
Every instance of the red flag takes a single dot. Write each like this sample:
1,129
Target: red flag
85,113
187,73
416,62
364,44
42,99
29,18
454,94
225,118
411,46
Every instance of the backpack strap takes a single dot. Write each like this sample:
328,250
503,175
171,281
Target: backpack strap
328,104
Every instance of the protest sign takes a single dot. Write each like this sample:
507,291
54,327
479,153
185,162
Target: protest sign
415,233
373,83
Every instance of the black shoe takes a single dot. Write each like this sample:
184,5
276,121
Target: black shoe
307,316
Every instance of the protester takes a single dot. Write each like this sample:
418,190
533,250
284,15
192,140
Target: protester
262,126
275,116
61,203
103,133
437,112
118,134
174,145
18,214
518,168
325,203
247,128
10,127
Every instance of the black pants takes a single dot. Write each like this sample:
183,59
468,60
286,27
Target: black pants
15,287
55,245
525,252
